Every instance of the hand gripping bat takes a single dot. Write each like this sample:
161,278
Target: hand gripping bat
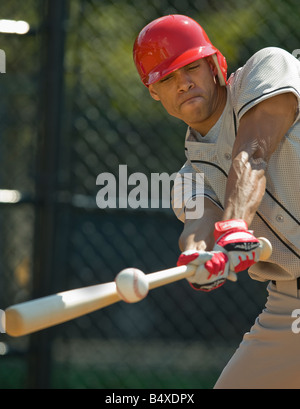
35,315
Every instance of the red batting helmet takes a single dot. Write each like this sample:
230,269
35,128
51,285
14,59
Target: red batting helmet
171,42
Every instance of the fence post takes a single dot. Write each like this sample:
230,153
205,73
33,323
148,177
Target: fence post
51,101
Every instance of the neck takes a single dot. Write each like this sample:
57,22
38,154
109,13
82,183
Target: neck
203,127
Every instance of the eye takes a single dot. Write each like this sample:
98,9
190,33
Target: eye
193,67
168,77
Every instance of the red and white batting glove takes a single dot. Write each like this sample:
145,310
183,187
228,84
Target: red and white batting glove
234,238
212,268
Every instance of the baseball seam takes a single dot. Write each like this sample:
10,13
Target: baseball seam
136,286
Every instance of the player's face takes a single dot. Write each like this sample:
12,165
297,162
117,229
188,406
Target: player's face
191,94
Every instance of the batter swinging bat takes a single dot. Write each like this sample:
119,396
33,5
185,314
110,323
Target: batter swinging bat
31,316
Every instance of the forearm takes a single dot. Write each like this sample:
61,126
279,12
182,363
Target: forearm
245,188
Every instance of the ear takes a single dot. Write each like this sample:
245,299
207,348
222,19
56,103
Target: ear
212,65
153,93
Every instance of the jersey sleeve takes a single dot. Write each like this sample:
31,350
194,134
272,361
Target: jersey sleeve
189,189
269,72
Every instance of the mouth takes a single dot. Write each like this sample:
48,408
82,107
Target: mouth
190,99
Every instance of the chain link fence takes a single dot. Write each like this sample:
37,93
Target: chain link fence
72,108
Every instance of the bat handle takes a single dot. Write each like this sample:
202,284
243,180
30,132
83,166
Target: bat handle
170,275
266,249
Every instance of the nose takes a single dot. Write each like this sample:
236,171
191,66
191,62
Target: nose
184,81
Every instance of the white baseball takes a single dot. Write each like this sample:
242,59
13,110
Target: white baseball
132,285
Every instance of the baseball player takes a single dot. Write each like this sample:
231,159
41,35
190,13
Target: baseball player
243,136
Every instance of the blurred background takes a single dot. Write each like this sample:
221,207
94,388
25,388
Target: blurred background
72,106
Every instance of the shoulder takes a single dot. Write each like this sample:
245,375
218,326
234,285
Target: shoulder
272,58
270,53
266,61
267,73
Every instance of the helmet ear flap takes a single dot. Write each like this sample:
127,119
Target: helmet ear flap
221,75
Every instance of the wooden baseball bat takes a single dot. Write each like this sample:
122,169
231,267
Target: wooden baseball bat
35,315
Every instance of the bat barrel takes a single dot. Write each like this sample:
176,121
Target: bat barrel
35,315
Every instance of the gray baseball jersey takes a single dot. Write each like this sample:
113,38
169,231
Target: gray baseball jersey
269,72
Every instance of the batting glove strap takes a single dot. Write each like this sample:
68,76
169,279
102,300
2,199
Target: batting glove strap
241,246
208,287
229,226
